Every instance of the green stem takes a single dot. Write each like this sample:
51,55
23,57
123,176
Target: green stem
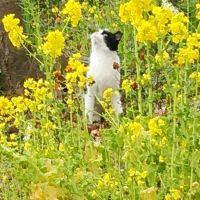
124,50
188,13
174,126
138,74
150,85
196,85
185,84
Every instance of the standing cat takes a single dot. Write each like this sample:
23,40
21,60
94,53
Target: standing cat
104,68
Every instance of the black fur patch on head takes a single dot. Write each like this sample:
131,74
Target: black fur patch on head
112,39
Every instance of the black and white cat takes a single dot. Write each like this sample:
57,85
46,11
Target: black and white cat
104,68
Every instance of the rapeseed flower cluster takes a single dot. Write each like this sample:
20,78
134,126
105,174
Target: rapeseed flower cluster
75,74
195,76
73,11
54,44
6,106
193,41
147,32
19,104
135,129
151,27
190,53
12,141
107,181
107,98
146,78
132,11
178,27
37,93
12,111
163,57
138,177
75,77
128,85
161,18
107,95
14,30
198,11
173,195
187,55
155,126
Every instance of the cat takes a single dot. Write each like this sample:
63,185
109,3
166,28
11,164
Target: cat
104,68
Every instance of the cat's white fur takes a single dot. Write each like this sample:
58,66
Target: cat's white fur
104,75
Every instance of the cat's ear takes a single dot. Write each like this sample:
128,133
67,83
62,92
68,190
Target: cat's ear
118,35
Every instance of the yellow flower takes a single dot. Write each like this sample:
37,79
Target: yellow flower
136,128
106,178
76,74
12,144
27,145
73,10
178,28
84,5
55,9
19,104
50,126
2,126
187,55
6,107
132,172
146,5
139,177
164,56
126,85
70,102
16,36
124,12
193,41
173,195
61,147
54,44
195,76
164,140
161,18
161,159
94,194
143,174
155,125
179,32
198,11
107,94
147,32
131,12
183,144
13,136
179,17
145,78
15,32
10,22
30,83
92,9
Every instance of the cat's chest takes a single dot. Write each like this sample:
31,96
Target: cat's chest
104,63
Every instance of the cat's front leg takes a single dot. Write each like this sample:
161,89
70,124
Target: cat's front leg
116,104
89,104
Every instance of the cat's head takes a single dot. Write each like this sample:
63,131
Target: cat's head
105,40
